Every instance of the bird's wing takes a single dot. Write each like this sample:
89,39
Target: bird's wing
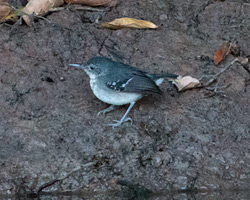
133,81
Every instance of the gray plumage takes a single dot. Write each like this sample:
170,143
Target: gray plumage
141,82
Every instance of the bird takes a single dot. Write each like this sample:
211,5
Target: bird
118,84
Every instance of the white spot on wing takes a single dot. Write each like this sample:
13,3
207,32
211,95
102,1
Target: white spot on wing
124,84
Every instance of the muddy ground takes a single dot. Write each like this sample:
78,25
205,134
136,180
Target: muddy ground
196,140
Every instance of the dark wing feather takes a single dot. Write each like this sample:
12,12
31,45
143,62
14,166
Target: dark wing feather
132,80
141,83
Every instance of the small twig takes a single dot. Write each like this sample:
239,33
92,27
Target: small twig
229,49
215,89
216,86
247,69
88,8
48,184
5,24
215,77
206,76
102,44
219,73
45,185
40,17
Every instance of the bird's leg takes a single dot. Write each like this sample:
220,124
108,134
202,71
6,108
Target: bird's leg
123,119
109,109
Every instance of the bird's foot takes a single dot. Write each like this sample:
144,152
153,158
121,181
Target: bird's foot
109,109
118,123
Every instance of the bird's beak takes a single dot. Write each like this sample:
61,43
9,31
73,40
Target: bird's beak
77,65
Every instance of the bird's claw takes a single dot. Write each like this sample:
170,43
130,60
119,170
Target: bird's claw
101,112
119,122
109,109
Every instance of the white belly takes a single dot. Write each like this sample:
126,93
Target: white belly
113,97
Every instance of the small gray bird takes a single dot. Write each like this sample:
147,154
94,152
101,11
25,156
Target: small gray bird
116,83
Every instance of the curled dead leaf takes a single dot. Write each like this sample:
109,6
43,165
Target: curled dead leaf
222,52
93,2
128,23
186,82
5,10
39,7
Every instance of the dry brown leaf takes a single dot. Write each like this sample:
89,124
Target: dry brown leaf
5,10
222,52
128,23
39,7
93,2
186,82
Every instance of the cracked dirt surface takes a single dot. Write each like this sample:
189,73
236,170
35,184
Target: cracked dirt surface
194,140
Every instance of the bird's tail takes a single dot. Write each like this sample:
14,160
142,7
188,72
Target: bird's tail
158,78
168,76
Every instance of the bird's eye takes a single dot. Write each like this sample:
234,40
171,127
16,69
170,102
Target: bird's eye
91,67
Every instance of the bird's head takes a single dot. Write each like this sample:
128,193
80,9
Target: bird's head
96,66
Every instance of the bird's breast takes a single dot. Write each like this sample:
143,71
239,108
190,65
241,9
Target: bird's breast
111,96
